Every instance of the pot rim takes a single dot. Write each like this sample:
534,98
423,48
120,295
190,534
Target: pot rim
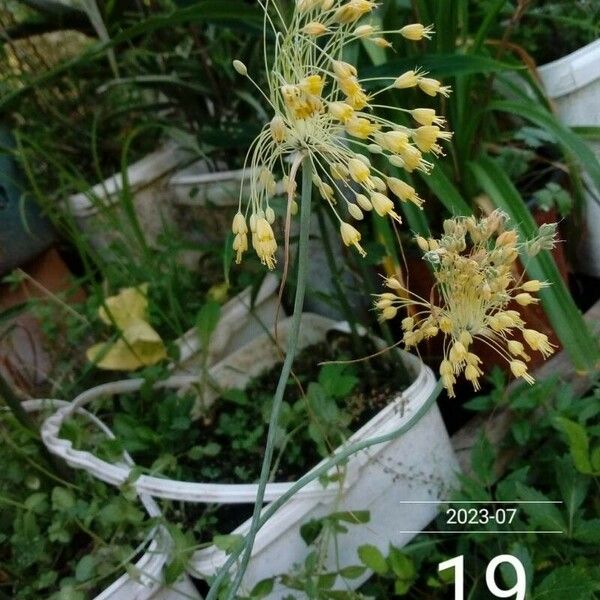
160,487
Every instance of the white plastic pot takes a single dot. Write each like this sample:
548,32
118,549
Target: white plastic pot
399,482
197,186
148,183
203,202
573,83
156,548
242,319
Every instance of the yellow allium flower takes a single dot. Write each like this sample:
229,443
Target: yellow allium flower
474,269
322,111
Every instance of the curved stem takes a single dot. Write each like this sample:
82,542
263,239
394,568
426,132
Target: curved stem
338,458
292,342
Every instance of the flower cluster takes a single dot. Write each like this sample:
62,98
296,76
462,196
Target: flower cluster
322,112
475,281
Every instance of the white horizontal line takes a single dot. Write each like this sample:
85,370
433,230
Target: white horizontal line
480,531
480,502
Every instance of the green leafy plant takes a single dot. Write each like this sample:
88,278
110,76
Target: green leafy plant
60,539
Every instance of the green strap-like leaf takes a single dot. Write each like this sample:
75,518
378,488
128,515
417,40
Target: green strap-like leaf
564,135
446,192
440,65
558,304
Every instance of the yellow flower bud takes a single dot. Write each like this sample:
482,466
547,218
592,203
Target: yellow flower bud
314,28
533,285
465,338
412,158
538,341
384,206
353,10
416,32
519,369
393,283
525,299
408,79
341,111
375,149
364,30
240,67
457,353
426,137
351,236
389,313
278,129
445,323
379,184
363,202
239,224
422,243
507,238
403,191
313,85
339,171
396,161
446,368
472,374
358,170
427,116
394,141
408,323
343,70
516,349
240,245
381,42
432,87
360,127
355,212
306,5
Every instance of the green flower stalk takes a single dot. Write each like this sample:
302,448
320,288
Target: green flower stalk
323,125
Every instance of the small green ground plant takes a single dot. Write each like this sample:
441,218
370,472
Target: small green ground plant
62,539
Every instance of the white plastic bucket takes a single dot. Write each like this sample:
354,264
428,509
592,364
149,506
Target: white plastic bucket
148,183
399,482
149,567
242,319
573,83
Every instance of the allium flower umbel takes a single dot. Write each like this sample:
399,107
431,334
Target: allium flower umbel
475,281
321,111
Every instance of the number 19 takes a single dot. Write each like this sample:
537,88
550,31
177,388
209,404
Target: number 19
518,590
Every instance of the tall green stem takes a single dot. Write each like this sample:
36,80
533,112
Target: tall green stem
292,343
334,460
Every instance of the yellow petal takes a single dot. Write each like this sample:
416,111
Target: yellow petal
129,305
140,346
117,356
